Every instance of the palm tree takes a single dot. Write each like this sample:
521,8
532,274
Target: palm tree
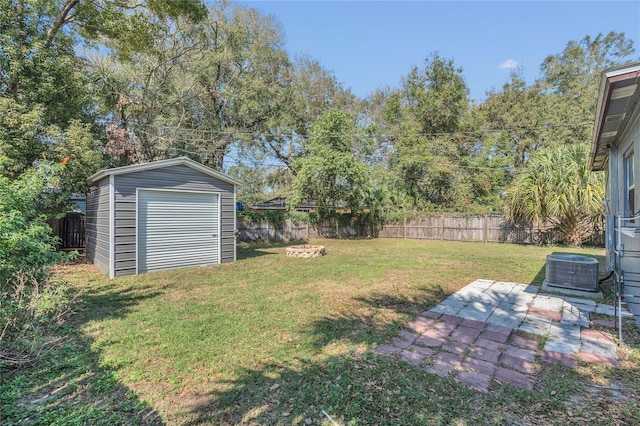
557,187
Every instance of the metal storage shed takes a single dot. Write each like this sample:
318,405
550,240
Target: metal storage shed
163,215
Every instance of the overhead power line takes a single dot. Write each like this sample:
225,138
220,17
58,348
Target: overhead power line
204,138
189,134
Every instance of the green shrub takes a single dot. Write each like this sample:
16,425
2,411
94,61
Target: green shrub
30,303
274,217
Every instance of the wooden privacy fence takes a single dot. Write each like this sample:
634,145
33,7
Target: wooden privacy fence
288,230
265,231
481,228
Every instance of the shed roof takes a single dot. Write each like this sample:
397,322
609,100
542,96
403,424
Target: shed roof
280,203
179,161
618,99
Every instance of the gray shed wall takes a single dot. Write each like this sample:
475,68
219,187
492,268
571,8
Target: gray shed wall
97,225
125,185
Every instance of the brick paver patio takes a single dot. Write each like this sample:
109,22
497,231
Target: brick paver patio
474,335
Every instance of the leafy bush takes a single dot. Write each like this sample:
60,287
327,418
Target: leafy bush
274,217
301,217
30,303
26,243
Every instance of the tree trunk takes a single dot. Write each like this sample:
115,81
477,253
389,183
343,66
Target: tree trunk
572,232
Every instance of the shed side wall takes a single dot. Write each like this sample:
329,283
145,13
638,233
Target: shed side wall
97,225
175,178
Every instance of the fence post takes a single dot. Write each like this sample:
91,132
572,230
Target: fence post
485,230
441,227
404,228
286,230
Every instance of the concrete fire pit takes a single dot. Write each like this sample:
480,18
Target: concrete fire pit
305,251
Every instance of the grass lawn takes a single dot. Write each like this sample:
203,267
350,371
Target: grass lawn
277,340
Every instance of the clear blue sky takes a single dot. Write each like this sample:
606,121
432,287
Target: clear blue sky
371,44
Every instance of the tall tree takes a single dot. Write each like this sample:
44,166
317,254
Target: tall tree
330,172
41,83
436,95
428,113
200,88
557,109
571,80
50,110
308,91
513,121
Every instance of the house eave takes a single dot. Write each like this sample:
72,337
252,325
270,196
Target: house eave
608,133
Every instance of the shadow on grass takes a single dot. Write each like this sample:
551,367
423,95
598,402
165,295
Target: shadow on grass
427,298
252,250
359,389
69,385
363,388
372,324
112,301
356,388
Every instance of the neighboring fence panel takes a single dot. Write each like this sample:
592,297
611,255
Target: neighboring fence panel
489,228
264,231
289,231
481,228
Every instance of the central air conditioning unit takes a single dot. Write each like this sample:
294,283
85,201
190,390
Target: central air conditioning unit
572,271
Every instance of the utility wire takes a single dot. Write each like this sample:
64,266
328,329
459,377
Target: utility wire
200,137
257,136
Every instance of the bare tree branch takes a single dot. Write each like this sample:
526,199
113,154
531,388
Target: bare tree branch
62,19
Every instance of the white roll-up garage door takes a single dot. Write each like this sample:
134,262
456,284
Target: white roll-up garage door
177,229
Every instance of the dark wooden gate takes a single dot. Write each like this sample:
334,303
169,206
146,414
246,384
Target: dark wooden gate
70,230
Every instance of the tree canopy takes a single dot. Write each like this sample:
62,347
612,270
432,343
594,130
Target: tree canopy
93,84
330,172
